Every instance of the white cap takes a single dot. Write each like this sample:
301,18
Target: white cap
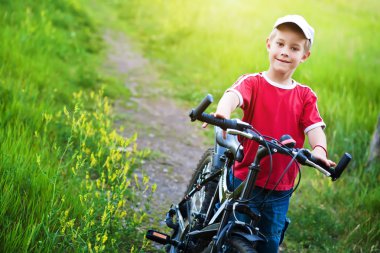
299,21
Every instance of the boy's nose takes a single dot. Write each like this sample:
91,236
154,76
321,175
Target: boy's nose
284,53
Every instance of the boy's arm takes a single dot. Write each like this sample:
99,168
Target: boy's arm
227,104
317,140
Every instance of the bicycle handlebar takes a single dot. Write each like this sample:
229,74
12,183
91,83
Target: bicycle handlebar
338,170
239,127
198,114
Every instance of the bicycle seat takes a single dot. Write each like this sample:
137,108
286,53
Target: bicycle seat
231,143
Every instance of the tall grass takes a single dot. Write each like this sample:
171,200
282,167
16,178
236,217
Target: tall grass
204,46
66,176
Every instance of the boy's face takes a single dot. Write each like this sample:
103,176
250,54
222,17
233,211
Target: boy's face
286,50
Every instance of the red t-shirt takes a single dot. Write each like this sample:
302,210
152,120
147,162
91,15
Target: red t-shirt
274,110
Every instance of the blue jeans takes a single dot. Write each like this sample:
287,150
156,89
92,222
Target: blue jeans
273,221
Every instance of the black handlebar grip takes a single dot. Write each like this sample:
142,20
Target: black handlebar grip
346,158
222,123
197,112
320,163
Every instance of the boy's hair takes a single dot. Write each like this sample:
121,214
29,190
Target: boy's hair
294,28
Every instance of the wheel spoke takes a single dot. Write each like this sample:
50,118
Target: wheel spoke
199,197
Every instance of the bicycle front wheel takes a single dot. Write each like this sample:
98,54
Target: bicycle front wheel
197,205
239,245
200,201
235,245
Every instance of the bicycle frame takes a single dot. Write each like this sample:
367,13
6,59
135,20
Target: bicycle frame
216,224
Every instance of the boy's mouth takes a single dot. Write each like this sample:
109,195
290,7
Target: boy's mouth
284,61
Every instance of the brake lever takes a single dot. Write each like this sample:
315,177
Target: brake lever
305,157
247,134
240,133
242,125
324,171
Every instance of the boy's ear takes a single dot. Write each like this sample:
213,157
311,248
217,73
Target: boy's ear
305,56
268,44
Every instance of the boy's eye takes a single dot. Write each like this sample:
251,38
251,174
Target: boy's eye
280,44
294,48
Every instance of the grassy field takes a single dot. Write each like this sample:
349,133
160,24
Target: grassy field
202,47
66,187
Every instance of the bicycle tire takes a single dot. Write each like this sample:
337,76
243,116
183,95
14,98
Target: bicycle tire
235,245
240,245
203,169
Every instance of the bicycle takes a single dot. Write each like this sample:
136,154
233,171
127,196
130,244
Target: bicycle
206,216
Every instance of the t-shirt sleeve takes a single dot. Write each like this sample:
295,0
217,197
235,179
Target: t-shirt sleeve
243,88
311,118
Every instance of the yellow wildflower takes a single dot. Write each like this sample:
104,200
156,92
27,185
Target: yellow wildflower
76,108
73,170
87,151
77,95
112,177
48,117
107,163
58,114
70,223
89,246
154,187
93,160
145,180
104,217
120,204
104,238
106,106
66,112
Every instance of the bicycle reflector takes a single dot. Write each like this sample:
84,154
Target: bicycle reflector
288,141
158,237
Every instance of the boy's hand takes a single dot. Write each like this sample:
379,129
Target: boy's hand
217,115
320,154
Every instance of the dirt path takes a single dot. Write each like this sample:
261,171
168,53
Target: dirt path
162,125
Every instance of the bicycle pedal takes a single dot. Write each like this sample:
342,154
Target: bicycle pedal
158,237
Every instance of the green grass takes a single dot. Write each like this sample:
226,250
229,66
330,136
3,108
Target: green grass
58,164
202,47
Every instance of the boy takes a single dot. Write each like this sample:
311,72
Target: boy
275,105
